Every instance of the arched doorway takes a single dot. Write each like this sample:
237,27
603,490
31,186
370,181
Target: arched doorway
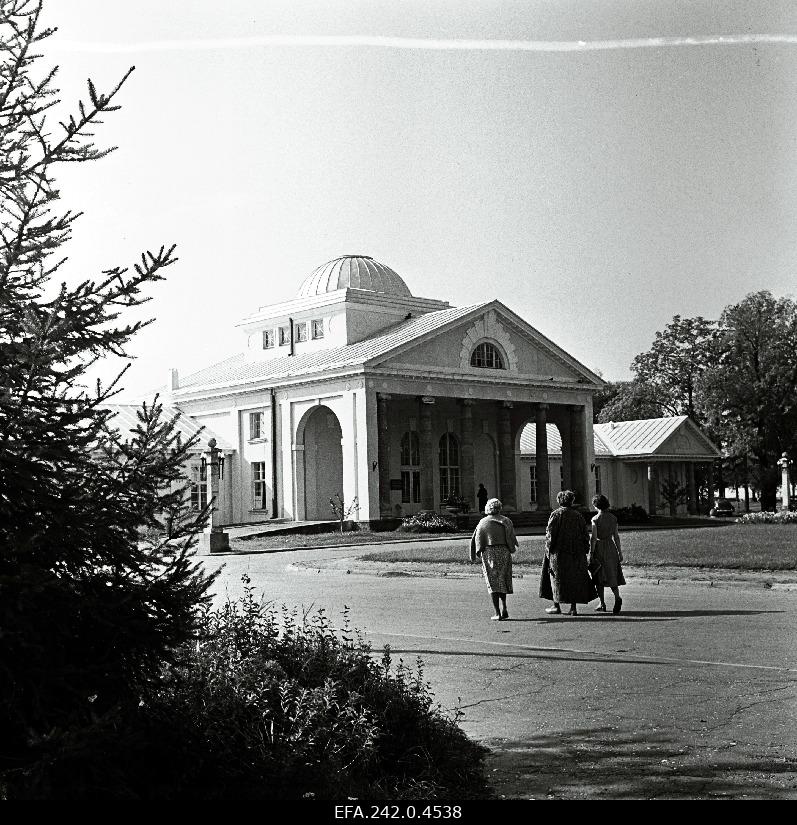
484,464
320,434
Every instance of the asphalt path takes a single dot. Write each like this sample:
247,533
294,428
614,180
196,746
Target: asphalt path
691,692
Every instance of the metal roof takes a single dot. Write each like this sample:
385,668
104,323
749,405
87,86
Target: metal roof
621,439
528,441
642,437
125,419
238,370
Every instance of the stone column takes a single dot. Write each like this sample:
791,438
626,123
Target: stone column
653,489
427,453
213,538
710,478
671,485
468,491
578,465
693,506
507,456
543,474
383,453
785,491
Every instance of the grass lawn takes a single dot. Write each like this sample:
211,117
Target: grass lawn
293,541
753,547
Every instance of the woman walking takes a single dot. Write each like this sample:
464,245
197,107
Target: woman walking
494,541
565,578
605,555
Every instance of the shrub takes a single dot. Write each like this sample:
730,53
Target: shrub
766,517
427,521
631,515
270,704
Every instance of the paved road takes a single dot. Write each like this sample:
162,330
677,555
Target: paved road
690,692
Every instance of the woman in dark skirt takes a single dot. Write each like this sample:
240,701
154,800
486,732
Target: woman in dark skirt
494,542
565,578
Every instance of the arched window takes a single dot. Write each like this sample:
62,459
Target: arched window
410,468
487,356
449,466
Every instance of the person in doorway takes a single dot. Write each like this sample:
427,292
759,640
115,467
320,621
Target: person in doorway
565,577
482,496
494,542
605,555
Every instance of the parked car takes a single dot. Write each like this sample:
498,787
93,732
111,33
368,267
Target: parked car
722,509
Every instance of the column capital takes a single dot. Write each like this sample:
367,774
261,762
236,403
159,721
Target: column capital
543,405
384,396
427,399
467,402
508,405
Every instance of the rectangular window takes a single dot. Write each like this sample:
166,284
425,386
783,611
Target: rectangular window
199,487
410,487
268,338
301,332
597,479
258,485
318,329
533,472
285,336
255,425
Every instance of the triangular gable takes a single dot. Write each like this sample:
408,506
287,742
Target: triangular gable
125,419
526,350
688,440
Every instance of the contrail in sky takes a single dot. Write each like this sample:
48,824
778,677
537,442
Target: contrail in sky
426,44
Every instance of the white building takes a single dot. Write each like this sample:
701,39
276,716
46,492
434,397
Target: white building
358,388
636,462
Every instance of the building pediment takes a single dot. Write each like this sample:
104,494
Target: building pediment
687,441
523,350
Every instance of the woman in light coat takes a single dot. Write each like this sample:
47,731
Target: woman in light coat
494,542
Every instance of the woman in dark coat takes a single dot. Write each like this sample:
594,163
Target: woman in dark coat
565,577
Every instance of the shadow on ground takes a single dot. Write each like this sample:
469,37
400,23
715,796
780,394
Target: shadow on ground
610,763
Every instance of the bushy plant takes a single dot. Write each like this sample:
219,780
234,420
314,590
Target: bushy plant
427,521
766,517
272,704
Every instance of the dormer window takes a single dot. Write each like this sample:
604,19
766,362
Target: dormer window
318,329
301,332
268,338
285,336
487,356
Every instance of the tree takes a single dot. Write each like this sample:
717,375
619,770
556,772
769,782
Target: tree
627,401
750,394
671,369
87,612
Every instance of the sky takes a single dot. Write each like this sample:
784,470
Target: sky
599,167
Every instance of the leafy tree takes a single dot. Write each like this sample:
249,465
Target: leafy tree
671,369
87,612
750,394
627,401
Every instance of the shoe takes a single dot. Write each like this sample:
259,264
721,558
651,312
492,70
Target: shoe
504,615
618,603
495,618
601,608
572,612
553,609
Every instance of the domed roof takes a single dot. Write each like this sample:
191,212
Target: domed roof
356,272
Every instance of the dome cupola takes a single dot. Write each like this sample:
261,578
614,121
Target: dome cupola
354,272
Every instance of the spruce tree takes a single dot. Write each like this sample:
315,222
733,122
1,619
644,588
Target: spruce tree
88,612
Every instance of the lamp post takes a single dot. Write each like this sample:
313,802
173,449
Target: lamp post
784,464
213,538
